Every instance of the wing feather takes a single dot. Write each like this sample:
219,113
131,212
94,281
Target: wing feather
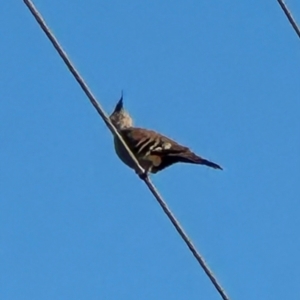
150,142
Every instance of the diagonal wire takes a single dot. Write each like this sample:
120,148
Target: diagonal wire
139,169
289,16
80,80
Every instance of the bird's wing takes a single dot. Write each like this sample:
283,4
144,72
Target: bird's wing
144,141
160,150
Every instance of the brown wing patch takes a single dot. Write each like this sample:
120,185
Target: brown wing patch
149,141
156,152
139,140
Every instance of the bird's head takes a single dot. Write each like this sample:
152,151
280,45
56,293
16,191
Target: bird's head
120,117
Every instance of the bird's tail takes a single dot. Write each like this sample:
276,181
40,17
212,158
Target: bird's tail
190,157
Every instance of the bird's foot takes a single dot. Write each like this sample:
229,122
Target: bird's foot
142,174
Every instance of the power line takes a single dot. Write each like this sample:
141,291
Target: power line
289,16
139,169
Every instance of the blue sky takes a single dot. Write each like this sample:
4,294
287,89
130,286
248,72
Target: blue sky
222,78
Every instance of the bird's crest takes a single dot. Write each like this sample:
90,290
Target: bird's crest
120,117
119,107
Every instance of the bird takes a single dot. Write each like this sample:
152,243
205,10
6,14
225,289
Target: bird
154,151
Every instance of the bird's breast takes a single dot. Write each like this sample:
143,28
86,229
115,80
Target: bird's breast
123,154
